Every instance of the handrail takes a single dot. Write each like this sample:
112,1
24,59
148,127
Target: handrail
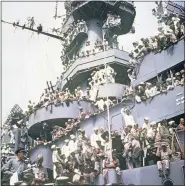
90,61
155,71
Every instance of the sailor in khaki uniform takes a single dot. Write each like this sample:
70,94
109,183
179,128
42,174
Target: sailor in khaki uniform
165,154
41,175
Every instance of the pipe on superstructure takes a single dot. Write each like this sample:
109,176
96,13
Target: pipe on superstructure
108,111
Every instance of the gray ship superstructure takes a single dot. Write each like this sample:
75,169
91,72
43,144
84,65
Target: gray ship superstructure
91,44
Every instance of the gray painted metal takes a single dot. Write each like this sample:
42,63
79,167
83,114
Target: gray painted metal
112,176
100,180
94,34
154,64
100,120
82,64
111,90
149,175
17,134
161,106
46,151
181,137
5,139
71,111
156,109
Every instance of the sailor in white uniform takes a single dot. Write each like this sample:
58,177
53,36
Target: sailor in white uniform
94,138
128,118
146,123
100,132
65,148
72,144
100,104
12,137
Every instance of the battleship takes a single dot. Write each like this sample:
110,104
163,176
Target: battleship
98,106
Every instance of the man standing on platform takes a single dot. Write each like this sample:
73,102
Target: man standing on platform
146,123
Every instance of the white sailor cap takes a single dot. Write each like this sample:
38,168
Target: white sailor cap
168,79
126,108
182,71
177,74
146,118
141,83
53,146
79,130
66,140
148,83
164,144
72,136
129,70
171,122
173,18
153,123
95,129
77,171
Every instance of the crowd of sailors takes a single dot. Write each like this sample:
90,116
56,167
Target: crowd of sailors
74,29
147,90
101,75
58,97
82,158
170,30
133,147
69,35
94,48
